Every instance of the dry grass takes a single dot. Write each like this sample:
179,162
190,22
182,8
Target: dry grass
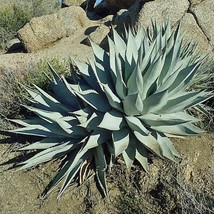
12,94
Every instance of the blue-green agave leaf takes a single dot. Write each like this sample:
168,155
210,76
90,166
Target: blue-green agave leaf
182,129
120,140
101,167
61,173
167,119
155,102
112,121
142,156
120,43
182,101
149,142
113,100
133,104
48,154
44,144
136,125
130,153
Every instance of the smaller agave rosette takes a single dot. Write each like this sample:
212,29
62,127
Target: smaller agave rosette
126,101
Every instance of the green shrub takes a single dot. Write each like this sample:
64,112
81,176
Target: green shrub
15,16
127,102
11,20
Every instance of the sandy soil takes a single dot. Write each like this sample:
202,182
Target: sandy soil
20,192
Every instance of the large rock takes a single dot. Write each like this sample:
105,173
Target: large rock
72,2
205,18
194,33
42,31
194,2
159,10
98,36
196,17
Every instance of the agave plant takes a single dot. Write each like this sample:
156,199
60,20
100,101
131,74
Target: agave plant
126,102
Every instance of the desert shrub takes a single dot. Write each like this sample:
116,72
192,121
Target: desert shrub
193,201
12,95
11,20
127,102
15,15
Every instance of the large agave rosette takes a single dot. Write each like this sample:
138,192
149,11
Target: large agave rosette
127,102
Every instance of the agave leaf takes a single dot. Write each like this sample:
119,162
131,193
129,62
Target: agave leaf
92,122
183,79
120,84
101,167
56,77
87,73
148,52
128,69
177,46
132,104
96,138
167,119
70,174
152,74
113,100
39,98
112,121
74,167
44,144
53,117
27,122
120,141
182,101
140,36
155,102
167,149
48,154
85,170
120,44
149,142
136,125
92,98
62,93
51,102
169,81
168,60
182,129
202,108
112,53
155,29
135,82
62,171
166,32
97,50
141,156
45,130
169,144
131,50
130,153
101,75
